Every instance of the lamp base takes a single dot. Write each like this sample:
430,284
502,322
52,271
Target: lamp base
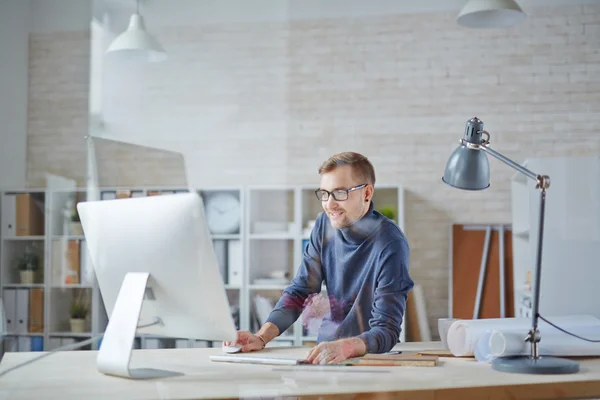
541,365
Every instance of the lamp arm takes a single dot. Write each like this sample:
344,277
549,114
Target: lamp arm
509,162
543,182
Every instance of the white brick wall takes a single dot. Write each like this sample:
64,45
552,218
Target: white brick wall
58,106
267,103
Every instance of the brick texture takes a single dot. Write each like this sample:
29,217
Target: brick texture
267,103
58,106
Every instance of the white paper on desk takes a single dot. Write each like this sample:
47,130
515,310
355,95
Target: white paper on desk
463,335
236,358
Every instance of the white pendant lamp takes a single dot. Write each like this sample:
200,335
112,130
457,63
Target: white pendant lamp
490,14
136,42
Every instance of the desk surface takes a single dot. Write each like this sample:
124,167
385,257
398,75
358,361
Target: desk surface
72,374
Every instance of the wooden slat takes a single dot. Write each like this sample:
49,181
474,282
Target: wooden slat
467,250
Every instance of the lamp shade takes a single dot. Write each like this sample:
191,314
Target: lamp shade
467,169
136,42
490,14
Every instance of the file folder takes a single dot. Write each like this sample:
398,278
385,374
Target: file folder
10,306
22,310
235,261
24,343
9,206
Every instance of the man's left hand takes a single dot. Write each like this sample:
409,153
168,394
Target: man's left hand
337,351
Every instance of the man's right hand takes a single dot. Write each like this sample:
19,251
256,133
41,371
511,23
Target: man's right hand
248,341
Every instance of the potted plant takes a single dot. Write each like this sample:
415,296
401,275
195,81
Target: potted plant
27,265
79,312
389,212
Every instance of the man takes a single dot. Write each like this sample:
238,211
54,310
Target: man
363,259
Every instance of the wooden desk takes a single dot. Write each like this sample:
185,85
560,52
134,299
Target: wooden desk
73,374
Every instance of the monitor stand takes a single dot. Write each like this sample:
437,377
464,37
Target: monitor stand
117,345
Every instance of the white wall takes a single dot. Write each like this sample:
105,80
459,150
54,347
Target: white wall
51,16
265,103
196,12
14,60
17,19
60,15
73,15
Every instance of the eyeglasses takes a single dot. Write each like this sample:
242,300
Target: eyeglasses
338,194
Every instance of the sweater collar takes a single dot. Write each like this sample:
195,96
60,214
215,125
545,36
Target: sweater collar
362,228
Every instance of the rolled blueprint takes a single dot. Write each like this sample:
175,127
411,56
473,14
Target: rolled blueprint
493,344
556,343
464,335
482,351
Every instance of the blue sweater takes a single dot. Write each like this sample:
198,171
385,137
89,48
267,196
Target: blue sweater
365,270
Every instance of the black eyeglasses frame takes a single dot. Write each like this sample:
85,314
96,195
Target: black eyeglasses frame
332,194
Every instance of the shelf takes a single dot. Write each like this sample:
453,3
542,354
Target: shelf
68,237
271,258
285,338
272,236
268,287
271,212
22,238
232,287
24,334
72,286
23,285
150,336
71,334
232,236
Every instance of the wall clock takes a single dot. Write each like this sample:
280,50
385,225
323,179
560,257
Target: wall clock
223,213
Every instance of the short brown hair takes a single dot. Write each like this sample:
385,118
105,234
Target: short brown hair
361,166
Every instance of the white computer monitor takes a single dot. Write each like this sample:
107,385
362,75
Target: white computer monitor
157,273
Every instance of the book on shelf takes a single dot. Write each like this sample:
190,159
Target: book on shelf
22,215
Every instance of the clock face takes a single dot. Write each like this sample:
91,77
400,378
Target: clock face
223,213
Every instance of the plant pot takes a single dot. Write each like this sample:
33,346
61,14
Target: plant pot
77,325
27,276
76,229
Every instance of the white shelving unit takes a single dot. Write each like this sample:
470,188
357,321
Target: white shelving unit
38,309
571,244
258,257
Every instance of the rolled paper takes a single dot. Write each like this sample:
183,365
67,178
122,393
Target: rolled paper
464,335
557,343
483,352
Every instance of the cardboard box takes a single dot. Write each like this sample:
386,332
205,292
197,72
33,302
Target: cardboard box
73,267
36,310
29,215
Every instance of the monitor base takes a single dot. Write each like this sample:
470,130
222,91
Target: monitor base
150,373
117,345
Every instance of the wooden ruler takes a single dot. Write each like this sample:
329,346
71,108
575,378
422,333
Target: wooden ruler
394,360
441,353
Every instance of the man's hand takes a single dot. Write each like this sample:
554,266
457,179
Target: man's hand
337,351
248,341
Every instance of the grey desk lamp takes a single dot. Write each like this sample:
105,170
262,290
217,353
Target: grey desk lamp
468,169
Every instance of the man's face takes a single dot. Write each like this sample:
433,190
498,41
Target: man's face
342,214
